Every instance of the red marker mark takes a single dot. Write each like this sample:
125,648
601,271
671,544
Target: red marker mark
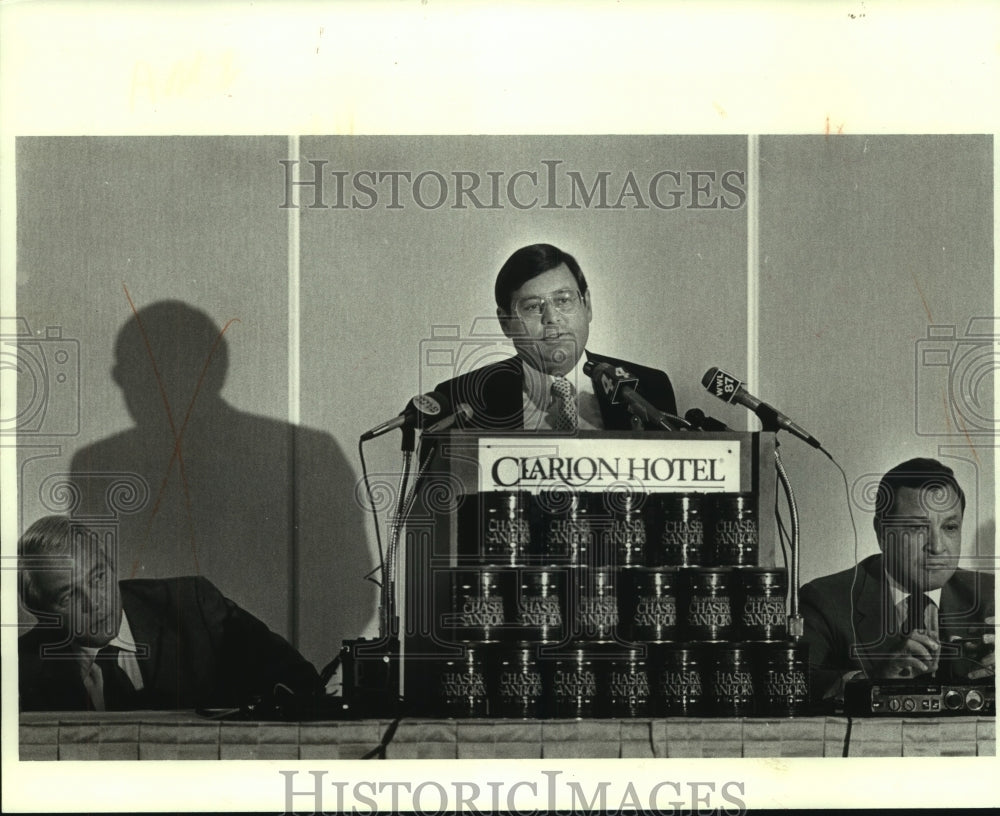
178,436
922,298
965,433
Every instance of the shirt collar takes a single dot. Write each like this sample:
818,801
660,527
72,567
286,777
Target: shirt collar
899,593
538,384
123,640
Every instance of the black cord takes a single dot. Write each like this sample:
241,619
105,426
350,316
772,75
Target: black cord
854,527
847,491
847,738
217,713
782,532
379,750
330,669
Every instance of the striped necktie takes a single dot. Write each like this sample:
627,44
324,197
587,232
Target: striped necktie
916,612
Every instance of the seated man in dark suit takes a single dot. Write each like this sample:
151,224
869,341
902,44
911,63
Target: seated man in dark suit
544,307
908,612
101,644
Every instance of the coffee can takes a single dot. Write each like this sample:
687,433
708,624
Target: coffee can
499,521
760,604
572,685
517,689
562,533
734,540
782,679
706,601
595,608
623,531
678,679
460,687
541,605
678,538
731,690
647,604
626,688
479,607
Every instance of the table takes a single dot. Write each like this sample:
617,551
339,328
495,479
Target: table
152,735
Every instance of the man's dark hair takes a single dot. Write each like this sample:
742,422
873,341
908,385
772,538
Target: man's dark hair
918,474
530,262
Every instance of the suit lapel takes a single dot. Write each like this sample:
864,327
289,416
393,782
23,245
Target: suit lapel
870,602
502,397
152,639
874,617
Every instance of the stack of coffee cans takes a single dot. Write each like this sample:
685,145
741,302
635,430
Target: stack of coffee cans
620,604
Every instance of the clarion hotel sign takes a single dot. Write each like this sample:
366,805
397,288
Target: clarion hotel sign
675,465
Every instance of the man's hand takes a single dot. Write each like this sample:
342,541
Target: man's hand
987,661
918,655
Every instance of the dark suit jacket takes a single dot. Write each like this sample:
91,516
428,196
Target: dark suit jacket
831,630
495,394
202,650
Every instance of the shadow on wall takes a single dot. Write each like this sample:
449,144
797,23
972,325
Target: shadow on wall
262,508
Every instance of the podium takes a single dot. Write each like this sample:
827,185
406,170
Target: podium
533,559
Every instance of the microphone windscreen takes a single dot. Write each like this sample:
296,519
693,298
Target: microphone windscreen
695,416
721,384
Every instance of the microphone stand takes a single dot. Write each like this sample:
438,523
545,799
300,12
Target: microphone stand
769,422
796,624
390,620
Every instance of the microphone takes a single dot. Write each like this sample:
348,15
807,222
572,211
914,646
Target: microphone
703,422
729,389
463,412
615,385
419,411
612,381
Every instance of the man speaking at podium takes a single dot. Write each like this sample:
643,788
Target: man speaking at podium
544,307
907,613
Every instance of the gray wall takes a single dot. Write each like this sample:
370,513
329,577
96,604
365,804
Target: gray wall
262,509
852,272
866,242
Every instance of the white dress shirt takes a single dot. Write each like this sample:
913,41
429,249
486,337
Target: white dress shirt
93,680
899,595
541,408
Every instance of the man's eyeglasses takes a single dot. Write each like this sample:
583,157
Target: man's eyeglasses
565,301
